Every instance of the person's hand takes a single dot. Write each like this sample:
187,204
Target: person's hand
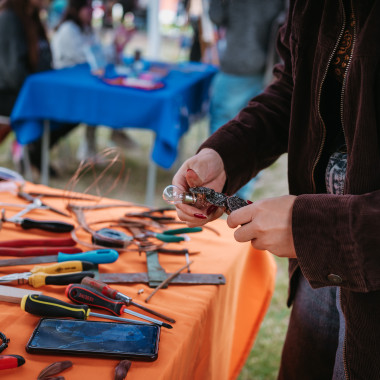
204,169
267,224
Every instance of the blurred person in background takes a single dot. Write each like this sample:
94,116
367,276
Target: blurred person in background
71,43
245,30
55,12
129,6
24,49
194,11
202,40
73,34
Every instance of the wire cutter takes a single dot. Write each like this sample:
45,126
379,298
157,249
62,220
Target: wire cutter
74,272
152,215
27,223
169,236
30,198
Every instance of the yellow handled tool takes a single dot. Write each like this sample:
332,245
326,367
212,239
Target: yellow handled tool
64,267
45,306
64,273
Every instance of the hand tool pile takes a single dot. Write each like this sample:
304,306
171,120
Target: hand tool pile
147,231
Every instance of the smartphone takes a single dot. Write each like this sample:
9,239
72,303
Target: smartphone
95,339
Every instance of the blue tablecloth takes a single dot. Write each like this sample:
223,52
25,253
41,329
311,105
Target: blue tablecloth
74,95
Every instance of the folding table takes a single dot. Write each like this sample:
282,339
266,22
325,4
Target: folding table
215,326
75,95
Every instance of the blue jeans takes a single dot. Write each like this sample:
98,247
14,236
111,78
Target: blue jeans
229,94
313,348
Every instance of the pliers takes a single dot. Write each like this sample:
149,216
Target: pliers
155,215
27,223
52,274
31,198
169,236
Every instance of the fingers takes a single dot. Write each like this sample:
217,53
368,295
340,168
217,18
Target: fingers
241,216
179,178
267,224
245,233
204,169
257,244
193,178
195,217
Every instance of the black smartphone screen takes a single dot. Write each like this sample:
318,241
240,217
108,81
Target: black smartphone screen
94,338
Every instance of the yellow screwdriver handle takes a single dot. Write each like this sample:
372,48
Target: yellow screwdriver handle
64,267
45,306
39,279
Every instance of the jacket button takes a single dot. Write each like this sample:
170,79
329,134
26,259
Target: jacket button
335,279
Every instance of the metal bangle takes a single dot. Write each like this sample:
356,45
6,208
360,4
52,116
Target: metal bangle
5,342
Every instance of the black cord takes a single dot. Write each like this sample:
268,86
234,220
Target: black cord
4,343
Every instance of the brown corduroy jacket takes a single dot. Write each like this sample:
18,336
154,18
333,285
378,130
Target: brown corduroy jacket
337,238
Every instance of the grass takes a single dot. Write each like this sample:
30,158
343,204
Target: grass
263,362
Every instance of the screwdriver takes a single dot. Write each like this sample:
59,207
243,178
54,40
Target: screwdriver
86,295
98,256
107,291
45,306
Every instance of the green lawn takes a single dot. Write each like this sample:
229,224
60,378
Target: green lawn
263,362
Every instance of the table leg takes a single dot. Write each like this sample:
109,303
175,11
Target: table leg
151,183
45,153
26,161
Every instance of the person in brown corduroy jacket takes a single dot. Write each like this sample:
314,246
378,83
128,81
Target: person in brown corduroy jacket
323,109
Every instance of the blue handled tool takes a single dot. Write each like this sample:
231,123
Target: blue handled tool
98,256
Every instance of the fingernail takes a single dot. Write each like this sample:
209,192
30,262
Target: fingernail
211,209
249,202
200,216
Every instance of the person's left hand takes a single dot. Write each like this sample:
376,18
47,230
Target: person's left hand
267,224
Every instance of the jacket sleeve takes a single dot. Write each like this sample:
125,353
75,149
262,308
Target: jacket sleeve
350,256
14,67
259,133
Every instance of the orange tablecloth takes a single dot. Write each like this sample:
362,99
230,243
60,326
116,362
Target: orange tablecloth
215,325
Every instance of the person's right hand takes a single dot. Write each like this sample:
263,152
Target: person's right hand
204,169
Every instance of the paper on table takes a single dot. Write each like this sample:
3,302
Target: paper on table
143,84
